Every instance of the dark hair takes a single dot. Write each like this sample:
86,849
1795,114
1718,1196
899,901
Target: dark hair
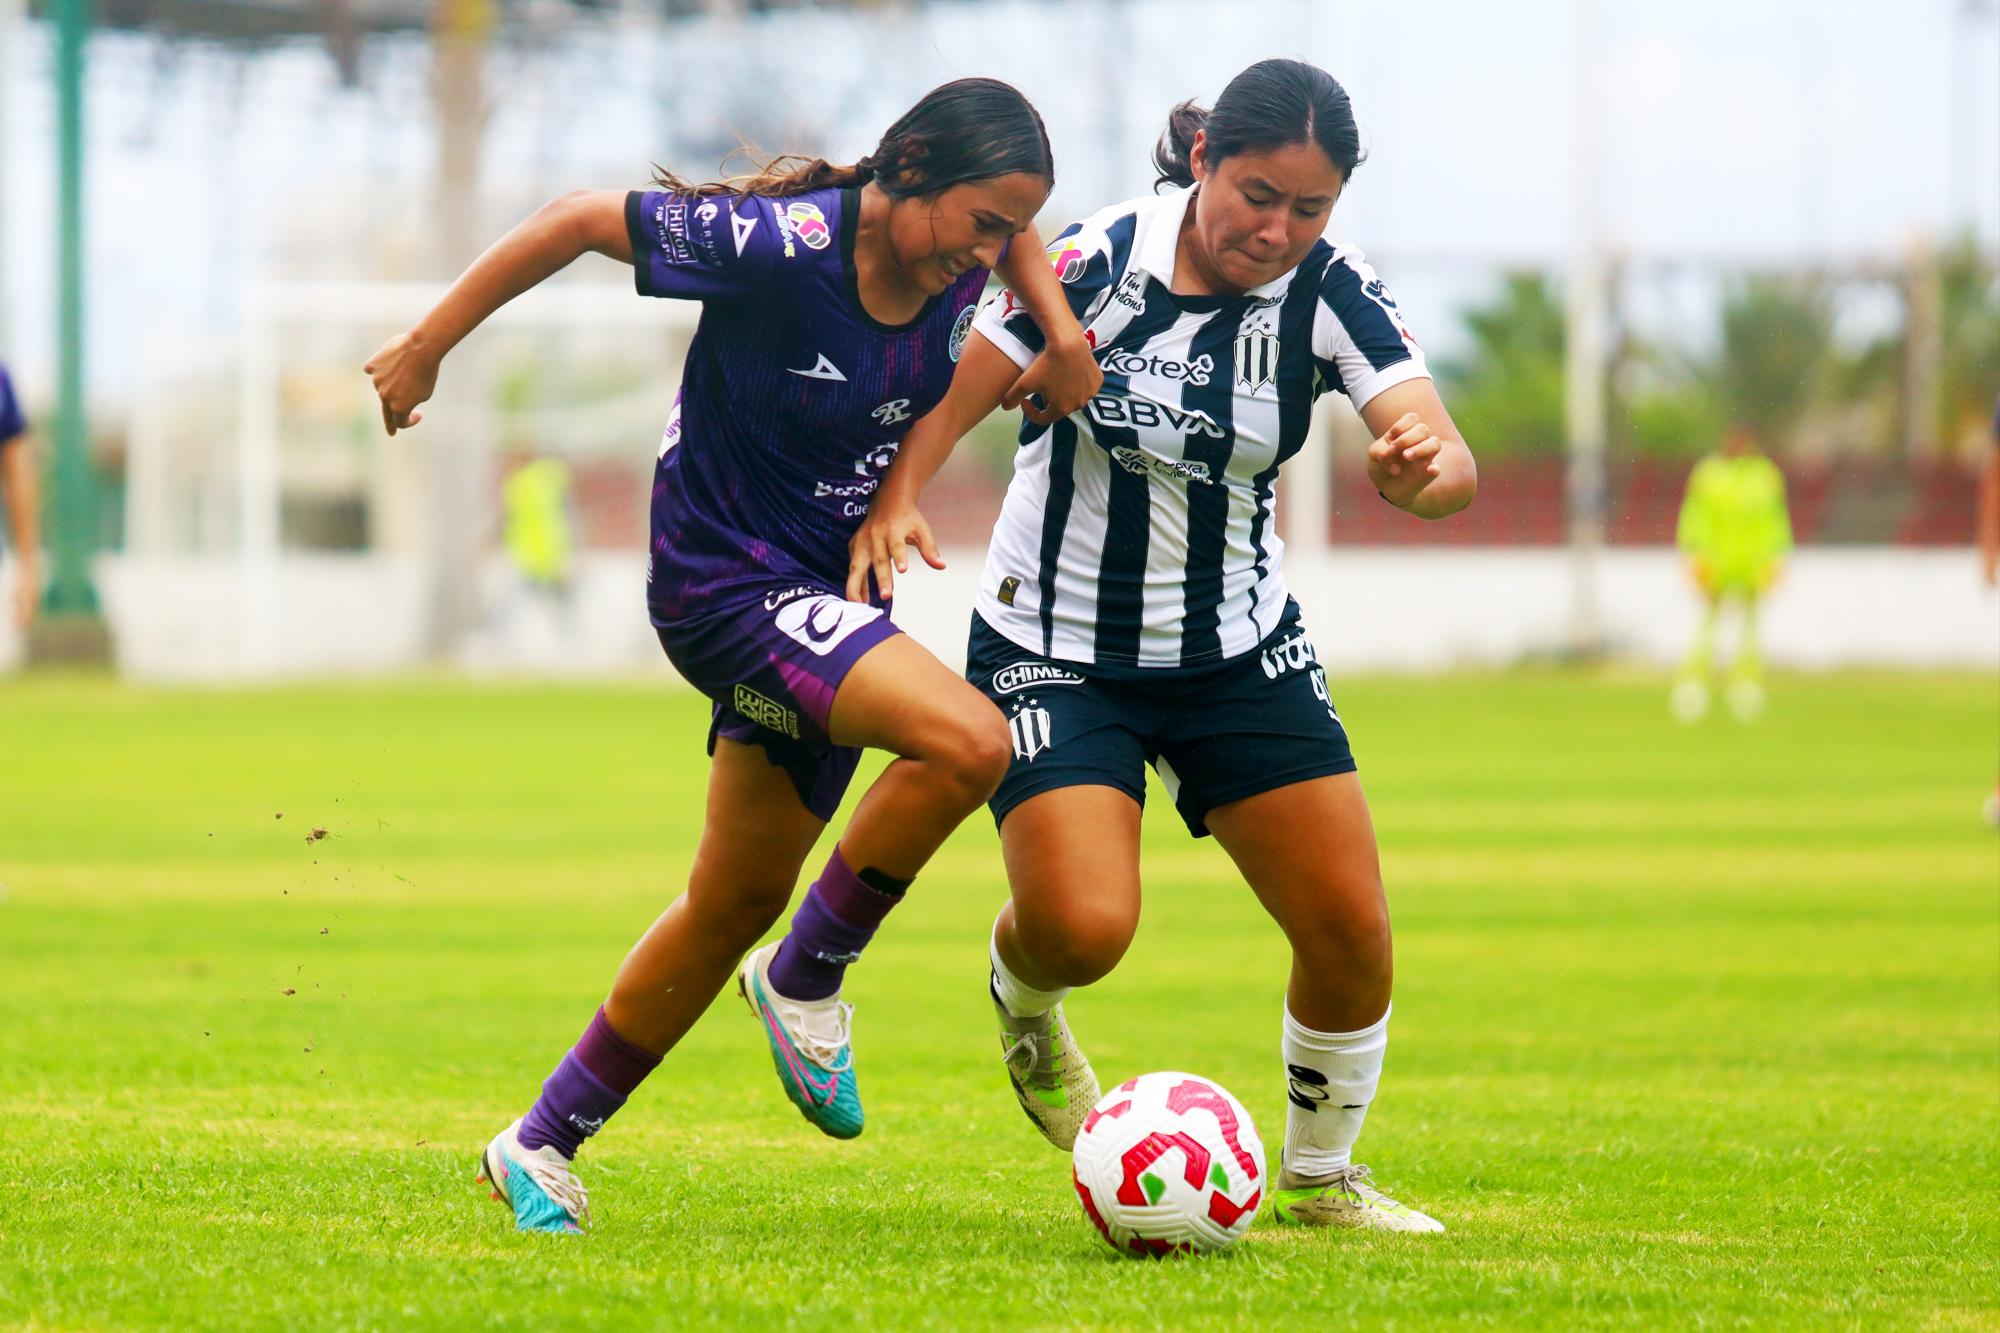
1269,105
965,130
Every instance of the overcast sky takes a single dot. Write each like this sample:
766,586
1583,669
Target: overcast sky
1725,131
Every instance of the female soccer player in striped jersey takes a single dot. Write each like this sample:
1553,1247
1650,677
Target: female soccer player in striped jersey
836,302
1133,606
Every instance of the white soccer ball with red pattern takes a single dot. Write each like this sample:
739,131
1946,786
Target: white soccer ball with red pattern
1167,1164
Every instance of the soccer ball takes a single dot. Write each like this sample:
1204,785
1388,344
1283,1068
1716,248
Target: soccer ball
1169,1164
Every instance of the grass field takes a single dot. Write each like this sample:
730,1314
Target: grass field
1693,1026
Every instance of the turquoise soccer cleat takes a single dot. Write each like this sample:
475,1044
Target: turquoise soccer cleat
809,1045
536,1183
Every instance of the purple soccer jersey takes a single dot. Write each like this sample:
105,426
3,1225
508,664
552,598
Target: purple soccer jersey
794,399
12,422
792,405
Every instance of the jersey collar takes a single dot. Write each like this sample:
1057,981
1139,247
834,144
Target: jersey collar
1155,251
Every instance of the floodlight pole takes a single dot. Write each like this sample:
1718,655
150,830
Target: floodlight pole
1584,359
71,595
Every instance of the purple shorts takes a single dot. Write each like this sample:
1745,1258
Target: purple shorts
771,658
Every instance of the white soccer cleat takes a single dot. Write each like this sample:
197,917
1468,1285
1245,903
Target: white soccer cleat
1344,1199
536,1183
1746,700
1053,1082
1688,701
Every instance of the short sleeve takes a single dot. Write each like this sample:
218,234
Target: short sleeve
704,248
13,422
1082,260
1359,337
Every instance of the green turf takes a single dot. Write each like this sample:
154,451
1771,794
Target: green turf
1693,1026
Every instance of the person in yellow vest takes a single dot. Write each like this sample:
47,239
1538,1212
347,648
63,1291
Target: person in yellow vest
537,536
1735,533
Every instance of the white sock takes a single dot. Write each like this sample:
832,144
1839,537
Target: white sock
1017,996
1331,1078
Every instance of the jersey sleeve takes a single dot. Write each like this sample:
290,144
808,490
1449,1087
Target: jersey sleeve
1359,339
13,422
1082,260
702,249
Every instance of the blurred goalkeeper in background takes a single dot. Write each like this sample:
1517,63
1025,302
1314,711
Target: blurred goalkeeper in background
1735,533
23,508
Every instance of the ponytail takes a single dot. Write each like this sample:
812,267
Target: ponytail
1269,105
965,130
1170,155
775,178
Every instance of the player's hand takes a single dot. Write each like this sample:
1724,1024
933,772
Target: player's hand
27,589
881,547
405,372
1404,460
1065,377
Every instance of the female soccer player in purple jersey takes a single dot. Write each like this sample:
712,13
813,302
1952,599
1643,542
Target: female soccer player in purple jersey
836,302
1133,608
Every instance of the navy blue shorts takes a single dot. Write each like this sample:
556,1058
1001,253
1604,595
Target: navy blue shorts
1216,733
771,659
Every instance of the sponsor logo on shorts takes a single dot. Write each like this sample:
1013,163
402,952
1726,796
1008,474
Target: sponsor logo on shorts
765,711
1031,729
1027,675
960,329
824,622
809,223
1294,654
1297,654
777,599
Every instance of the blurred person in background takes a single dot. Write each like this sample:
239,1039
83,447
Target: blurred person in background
23,504
1989,553
835,303
1735,533
539,535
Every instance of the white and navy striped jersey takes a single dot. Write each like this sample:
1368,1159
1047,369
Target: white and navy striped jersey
1139,531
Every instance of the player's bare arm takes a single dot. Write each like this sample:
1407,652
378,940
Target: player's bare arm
405,368
24,507
894,523
1418,461
1066,375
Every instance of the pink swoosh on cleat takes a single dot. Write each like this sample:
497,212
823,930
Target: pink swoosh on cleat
801,1068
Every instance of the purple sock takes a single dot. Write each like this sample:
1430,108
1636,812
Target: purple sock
831,928
591,1083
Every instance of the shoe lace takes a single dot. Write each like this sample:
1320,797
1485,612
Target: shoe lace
560,1184
1352,1181
1043,1066
824,1036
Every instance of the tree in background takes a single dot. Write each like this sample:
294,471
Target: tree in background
1507,392
1774,354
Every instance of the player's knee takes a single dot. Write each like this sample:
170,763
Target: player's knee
736,919
1077,948
1354,944
979,751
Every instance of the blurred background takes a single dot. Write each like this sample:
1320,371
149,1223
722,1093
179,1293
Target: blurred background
1617,226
